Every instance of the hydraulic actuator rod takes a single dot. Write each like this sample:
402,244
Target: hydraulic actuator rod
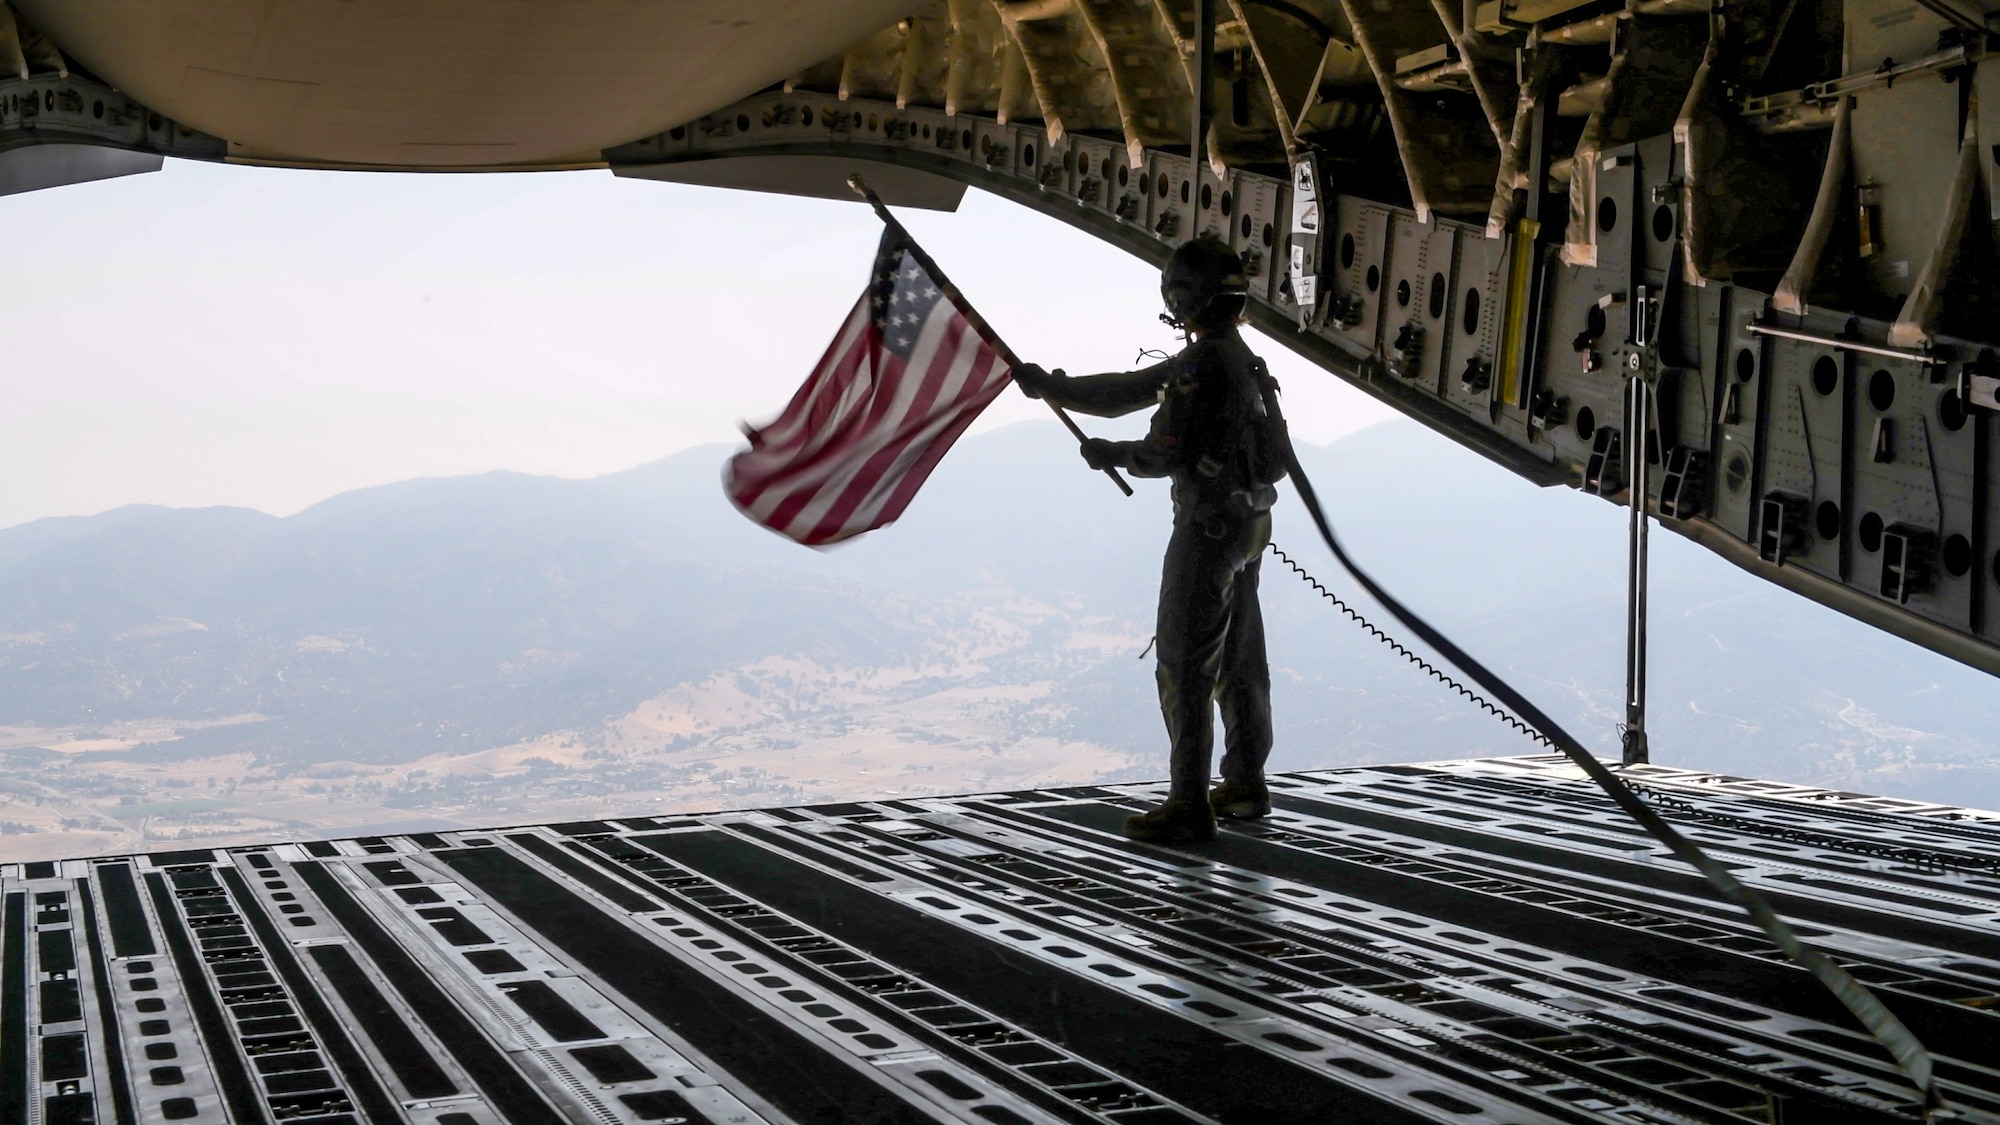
1638,454
1202,112
1637,424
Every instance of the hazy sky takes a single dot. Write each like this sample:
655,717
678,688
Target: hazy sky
223,335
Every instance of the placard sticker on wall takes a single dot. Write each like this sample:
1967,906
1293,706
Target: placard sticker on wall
1305,240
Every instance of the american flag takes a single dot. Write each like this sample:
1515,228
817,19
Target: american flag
907,374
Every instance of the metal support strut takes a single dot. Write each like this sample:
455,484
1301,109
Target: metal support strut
1638,450
1201,75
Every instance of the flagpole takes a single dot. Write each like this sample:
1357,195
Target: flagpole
978,322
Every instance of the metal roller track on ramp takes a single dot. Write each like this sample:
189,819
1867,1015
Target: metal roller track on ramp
1481,941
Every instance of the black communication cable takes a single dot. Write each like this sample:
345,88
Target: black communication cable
1516,710
1902,1044
1874,849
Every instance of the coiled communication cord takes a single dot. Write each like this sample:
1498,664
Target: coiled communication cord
1520,713
1402,650
1930,861
1517,710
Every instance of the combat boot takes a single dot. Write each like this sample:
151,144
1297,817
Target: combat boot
1176,822
1240,800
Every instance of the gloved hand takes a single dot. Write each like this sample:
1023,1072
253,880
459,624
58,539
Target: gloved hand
1099,453
1034,381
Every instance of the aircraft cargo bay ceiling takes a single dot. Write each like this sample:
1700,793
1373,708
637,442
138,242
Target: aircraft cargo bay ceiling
1775,218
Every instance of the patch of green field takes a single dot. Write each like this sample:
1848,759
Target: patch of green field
184,806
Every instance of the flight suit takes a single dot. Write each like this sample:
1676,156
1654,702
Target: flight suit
1213,437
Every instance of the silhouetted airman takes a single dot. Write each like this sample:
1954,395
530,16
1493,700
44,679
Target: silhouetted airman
1218,435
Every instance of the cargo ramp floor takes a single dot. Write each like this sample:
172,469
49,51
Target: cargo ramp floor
1480,942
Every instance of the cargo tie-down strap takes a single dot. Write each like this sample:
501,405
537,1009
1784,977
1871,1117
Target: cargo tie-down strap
1902,1045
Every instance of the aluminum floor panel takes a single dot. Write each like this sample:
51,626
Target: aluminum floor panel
1479,942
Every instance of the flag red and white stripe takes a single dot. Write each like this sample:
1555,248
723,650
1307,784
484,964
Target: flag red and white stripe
905,376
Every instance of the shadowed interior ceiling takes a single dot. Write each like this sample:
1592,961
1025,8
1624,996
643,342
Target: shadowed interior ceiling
446,83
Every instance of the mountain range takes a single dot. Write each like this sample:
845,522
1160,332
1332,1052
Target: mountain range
437,617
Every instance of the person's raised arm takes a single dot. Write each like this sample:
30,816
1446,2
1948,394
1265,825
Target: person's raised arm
1106,396
1182,431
